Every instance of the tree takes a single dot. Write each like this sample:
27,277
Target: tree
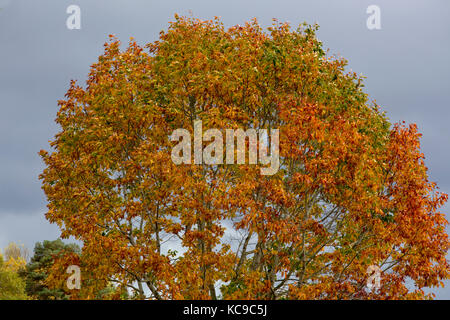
351,191
11,285
36,272
15,257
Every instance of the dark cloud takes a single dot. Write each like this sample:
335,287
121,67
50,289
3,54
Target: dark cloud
406,64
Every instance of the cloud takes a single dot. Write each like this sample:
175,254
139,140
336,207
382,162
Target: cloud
26,229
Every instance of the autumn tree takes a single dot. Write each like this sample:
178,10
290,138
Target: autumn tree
15,256
11,285
351,191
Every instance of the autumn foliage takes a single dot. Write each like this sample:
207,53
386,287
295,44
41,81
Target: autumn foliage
351,192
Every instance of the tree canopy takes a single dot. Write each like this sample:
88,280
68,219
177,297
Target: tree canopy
351,192
12,286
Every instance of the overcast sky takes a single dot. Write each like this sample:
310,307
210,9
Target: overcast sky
405,62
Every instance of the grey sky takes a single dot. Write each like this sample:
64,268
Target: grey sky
406,64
